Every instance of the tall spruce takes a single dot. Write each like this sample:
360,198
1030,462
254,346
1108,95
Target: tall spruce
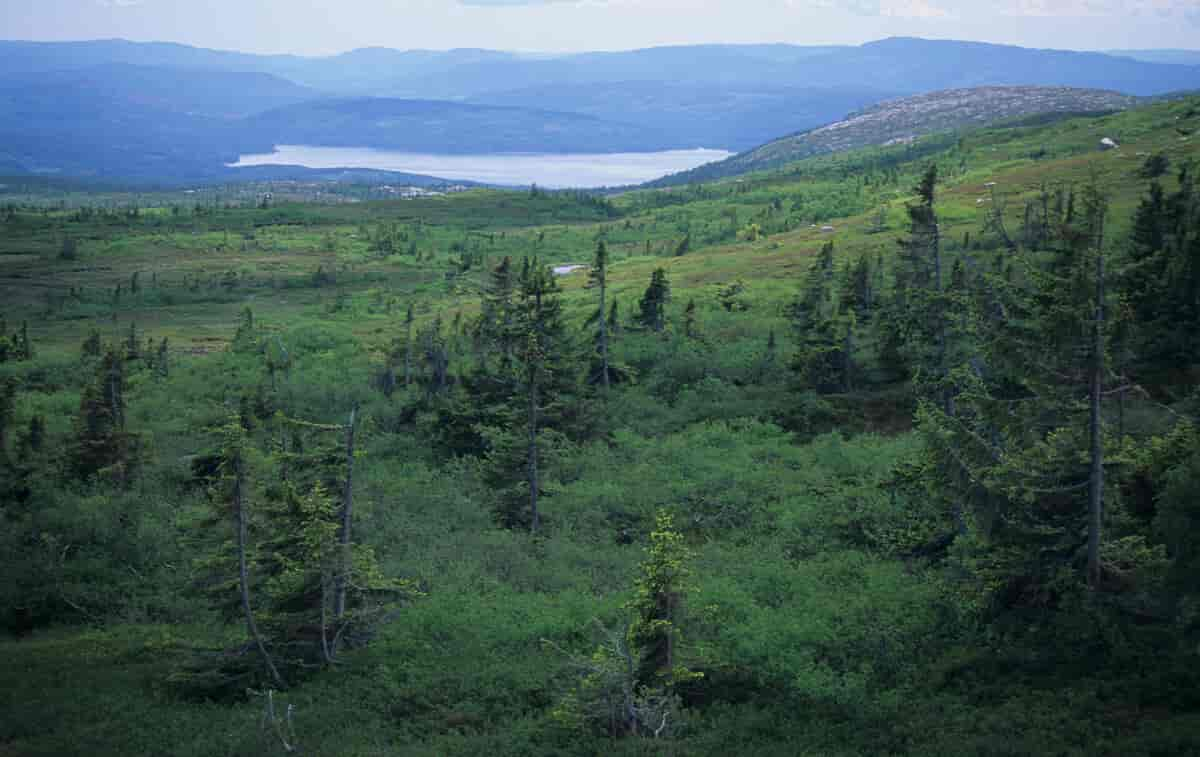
533,406
919,291
1025,447
544,333
409,319
498,313
101,441
598,278
652,312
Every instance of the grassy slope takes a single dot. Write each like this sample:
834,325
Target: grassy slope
464,672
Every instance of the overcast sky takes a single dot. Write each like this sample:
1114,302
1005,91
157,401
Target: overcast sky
316,27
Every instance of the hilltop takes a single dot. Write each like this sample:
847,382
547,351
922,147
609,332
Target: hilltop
903,120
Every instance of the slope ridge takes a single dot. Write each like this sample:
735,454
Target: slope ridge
905,119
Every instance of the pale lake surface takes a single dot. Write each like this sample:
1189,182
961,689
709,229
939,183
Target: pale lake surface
514,169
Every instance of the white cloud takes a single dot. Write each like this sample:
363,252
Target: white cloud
1145,9
506,3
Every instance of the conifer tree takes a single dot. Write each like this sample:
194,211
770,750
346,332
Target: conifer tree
409,318
598,278
543,384
1025,447
1161,276
162,360
92,346
132,344
35,436
8,398
234,455
23,347
436,354
919,297
690,330
653,305
857,291
614,319
542,357
658,606
498,313
101,441
244,338
817,290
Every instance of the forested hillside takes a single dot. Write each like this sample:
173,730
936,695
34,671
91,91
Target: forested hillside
888,451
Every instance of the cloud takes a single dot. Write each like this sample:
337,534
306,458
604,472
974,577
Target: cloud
507,3
1160,9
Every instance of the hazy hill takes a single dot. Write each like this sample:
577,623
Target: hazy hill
921,65
906,119
896,64
1178,57
730,116
444,127
218,94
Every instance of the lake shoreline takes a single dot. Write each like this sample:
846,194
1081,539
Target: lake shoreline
549,170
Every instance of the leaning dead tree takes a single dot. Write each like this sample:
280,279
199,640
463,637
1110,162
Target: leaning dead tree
237,464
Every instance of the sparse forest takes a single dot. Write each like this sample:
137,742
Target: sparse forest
892,451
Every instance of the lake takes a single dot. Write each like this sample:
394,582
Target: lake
514,169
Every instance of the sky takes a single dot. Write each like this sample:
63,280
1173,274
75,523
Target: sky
323,27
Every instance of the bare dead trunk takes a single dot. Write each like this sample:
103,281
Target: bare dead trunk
239,507
344,557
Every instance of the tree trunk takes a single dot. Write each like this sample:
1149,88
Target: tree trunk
408,350
936,243
848,360
344,557
1096,489
532,452
239,508
604,327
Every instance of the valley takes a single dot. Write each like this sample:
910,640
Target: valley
829,600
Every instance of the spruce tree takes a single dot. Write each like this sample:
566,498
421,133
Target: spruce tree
409,319
690,329
92,346
919,297
544,382
1160,279
8,399
101,441
1025,447
653,305
498,314
598,278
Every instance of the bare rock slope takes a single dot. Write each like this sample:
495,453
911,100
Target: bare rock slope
906,119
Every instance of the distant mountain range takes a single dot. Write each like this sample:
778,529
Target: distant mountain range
161,111
906,119
1178,57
